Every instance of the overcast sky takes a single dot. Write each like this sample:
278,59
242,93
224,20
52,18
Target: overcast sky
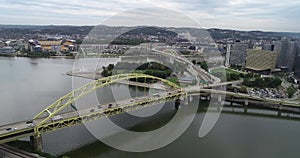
266,15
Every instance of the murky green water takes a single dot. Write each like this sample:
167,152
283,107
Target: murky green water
29,85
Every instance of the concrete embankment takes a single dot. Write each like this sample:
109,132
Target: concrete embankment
11,152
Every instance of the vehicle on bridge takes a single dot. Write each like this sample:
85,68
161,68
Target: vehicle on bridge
30,124
10,129
57,118
156,95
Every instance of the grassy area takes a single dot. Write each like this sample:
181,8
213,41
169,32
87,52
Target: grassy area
119,71
234,71
228,71
298,100
174,80
231,75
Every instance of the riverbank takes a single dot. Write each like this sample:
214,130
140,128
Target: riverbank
87,75
28,148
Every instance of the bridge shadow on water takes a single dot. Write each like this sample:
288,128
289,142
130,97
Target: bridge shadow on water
161,118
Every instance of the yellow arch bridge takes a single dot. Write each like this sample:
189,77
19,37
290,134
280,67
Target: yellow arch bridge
62,113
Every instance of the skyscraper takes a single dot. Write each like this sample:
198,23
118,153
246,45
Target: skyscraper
236,54
287,53
297,63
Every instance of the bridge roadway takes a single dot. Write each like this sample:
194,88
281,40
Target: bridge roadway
218,84
202,74
194,90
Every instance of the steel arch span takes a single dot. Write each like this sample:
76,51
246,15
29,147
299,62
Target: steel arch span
58,106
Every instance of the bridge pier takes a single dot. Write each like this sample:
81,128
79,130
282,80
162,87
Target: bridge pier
185,99
279,114
219,99
190,99
246,102
279,110
37,143
208,98
231,100
245,109
177,104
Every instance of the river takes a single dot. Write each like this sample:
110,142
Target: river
30,85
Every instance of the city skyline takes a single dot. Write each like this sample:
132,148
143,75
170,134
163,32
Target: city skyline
270,15
145,78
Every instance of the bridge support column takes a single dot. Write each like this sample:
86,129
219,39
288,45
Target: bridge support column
231,100
279,110
190,99
186,100
177,104
208,98
219,99
245,109
246,103
37,143
279,113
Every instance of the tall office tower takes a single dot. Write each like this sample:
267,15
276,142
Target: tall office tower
286,57
236,54
297,63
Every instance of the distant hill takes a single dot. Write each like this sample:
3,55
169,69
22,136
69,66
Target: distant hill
23,31
26,31
218,34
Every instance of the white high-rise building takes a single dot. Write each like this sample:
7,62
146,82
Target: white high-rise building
236,54
287,53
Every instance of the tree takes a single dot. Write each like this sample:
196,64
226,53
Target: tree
110,67
105,73
242,75
232,77
291,91
249,75
262,82
203,65
276,82
194,62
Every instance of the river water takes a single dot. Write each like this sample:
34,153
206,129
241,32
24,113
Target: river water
30,85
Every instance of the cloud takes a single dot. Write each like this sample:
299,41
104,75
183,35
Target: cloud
273,15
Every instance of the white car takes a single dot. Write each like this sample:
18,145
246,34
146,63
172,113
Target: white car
57,118
30,124
11,129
